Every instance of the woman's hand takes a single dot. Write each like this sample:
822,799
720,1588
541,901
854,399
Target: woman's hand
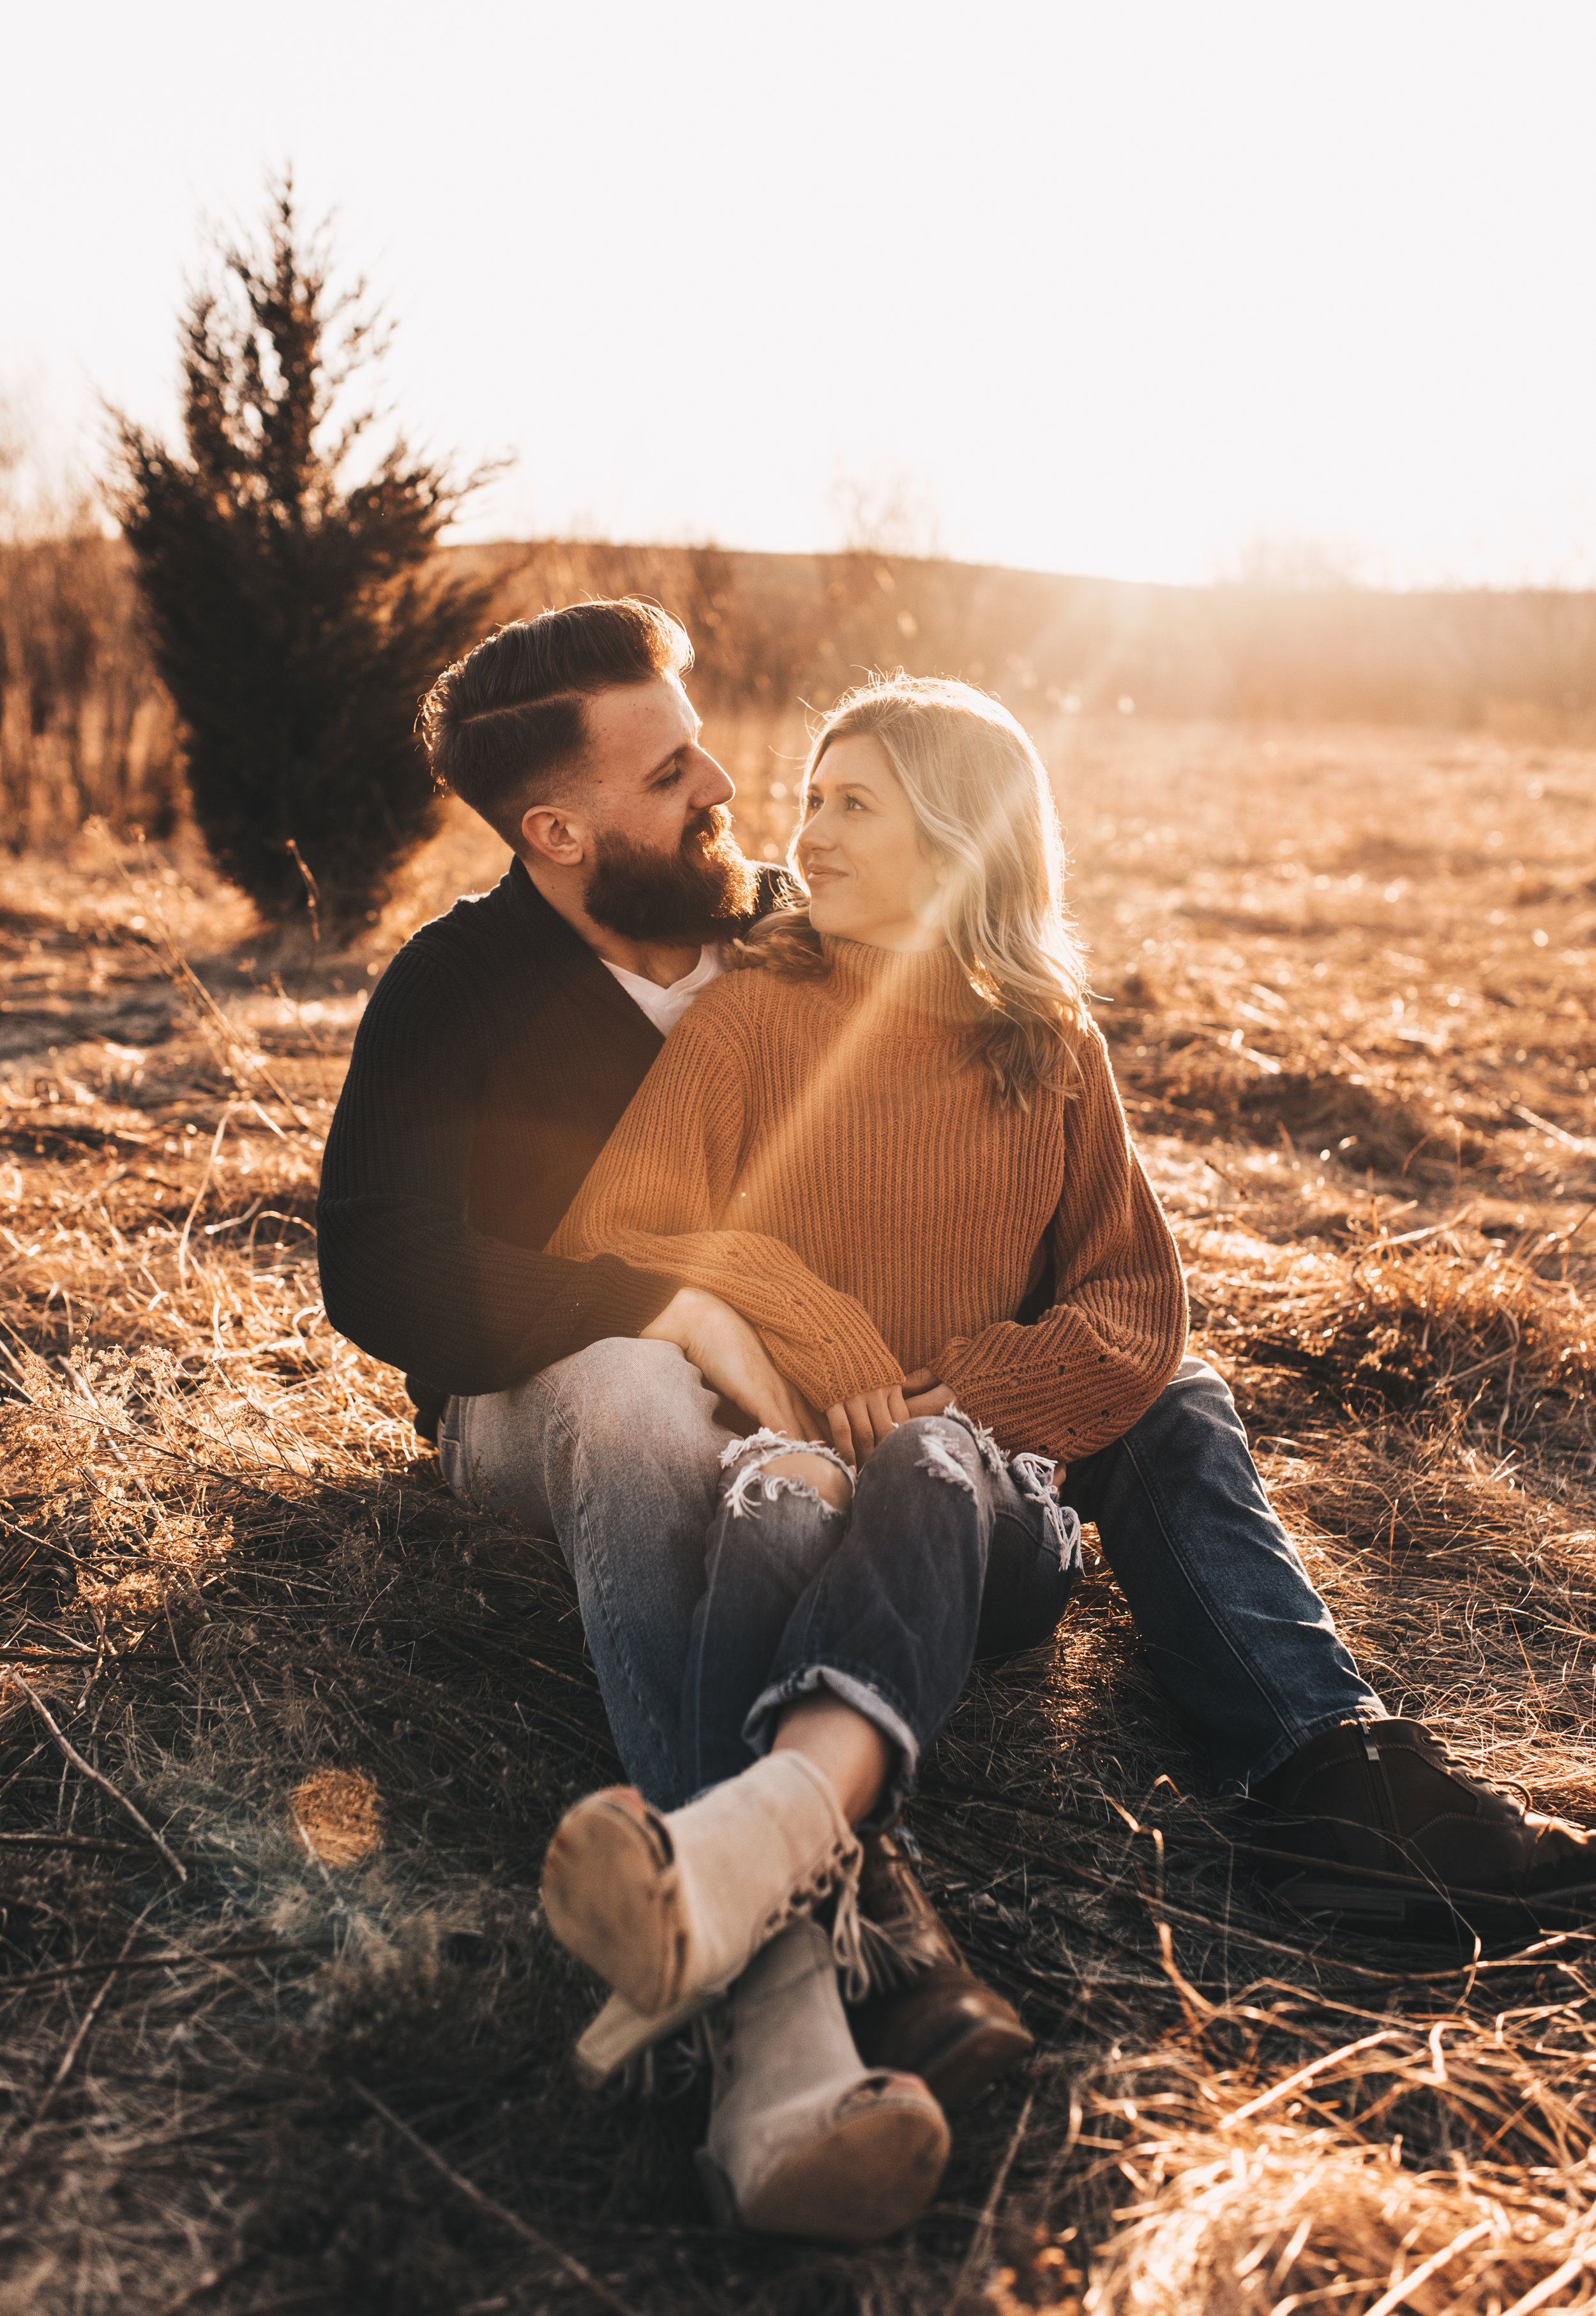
858,1426
729,1355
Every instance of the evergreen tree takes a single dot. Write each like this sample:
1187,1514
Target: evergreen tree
297,607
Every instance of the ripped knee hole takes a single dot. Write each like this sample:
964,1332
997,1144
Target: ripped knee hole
830,1482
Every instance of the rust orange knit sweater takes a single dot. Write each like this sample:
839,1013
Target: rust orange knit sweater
823,1157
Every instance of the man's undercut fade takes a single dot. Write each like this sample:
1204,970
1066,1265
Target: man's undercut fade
504,725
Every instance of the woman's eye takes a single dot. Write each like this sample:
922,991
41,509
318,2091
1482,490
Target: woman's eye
852,804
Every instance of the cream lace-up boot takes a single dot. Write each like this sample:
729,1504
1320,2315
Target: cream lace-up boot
804,2140
665,1908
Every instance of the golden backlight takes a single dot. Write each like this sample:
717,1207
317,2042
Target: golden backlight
1155,292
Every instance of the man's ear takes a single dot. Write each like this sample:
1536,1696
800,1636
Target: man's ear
555,835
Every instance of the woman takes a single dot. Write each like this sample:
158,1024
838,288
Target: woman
875,1141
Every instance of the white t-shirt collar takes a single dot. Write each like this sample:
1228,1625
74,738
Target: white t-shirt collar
665,1007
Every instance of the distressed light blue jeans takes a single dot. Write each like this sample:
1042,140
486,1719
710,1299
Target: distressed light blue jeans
702,1620
948,1550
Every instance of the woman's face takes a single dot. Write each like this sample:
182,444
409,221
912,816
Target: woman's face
859,852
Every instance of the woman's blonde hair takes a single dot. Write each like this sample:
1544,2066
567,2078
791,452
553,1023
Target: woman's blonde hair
981,802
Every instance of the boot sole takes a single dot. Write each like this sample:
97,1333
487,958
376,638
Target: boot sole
611,1897
1438,1920
871,2176
968,2061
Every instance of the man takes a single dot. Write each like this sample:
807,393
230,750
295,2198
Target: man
498,1054
499,1050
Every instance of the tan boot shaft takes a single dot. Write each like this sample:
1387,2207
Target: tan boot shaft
667,1907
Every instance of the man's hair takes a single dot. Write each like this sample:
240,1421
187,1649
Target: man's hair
503,724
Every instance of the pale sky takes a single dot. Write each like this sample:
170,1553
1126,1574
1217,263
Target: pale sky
1112,288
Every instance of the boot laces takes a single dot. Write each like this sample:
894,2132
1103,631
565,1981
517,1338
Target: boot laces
1454,1761
836,1875
887,1965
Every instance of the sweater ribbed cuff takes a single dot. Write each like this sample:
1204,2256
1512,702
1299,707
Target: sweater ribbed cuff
839,1352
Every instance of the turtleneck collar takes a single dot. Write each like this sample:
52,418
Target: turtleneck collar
924,986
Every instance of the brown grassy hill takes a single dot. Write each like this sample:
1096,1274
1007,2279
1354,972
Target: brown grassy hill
773,625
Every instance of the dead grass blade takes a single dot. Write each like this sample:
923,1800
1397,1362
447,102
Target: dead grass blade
572,2266
86,1768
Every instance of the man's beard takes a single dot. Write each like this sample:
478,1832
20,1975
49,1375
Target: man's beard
697,894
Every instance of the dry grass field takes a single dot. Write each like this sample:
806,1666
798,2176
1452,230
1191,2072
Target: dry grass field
283,1730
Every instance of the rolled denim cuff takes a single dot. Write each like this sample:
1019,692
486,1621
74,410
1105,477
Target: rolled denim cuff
759,1730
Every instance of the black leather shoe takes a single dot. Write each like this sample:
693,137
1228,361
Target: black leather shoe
1378,1826
937,2021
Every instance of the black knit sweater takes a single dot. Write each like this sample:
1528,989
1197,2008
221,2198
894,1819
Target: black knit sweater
494,1060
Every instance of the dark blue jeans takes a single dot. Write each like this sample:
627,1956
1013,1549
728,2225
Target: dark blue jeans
616,1452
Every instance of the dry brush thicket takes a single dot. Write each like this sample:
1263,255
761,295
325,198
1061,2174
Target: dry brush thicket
283,1729
86,728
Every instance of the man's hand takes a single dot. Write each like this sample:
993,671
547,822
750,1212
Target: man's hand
859,1426
925,1395
732,1359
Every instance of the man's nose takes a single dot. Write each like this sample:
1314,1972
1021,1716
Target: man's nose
713,785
